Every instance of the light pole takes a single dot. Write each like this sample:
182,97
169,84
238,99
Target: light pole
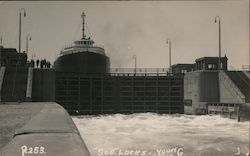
135,58
169,50
217,19
28,37
20,23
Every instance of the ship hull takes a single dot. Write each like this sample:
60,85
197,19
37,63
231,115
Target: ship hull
83,62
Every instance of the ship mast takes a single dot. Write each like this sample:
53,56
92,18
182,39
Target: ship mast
83,18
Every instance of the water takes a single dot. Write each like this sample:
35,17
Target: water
148,134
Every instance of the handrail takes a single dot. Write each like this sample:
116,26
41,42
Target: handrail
139,70
71,50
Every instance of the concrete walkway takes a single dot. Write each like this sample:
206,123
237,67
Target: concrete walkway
51,132
13,116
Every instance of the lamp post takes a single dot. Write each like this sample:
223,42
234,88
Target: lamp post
169,50
135,58
20,23
217,19
28,37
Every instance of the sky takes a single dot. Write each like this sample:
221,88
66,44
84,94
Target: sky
127,28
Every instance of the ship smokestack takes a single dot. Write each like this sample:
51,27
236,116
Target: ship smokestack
83,18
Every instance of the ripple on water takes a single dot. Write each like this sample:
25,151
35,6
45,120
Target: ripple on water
198,135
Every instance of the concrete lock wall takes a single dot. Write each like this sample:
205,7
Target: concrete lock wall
209,86
200,87
50,133
191,91
43,86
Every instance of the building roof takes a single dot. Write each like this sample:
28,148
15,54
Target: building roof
183,64
210,58
8,50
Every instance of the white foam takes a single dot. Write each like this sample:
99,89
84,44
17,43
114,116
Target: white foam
198,135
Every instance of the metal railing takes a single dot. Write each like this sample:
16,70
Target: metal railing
140,71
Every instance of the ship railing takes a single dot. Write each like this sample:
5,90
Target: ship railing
139,71
71,45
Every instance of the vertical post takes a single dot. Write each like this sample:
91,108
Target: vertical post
28,37
219,46
20,23
135,58
19,45
170,56
219,62
169,50
83,18
27,45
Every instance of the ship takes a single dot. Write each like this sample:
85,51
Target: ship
83,56
85,83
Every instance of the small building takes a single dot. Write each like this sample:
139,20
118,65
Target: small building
213,91
210,63
182,68
10,57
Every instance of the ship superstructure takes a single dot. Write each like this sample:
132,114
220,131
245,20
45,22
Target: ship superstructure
83,56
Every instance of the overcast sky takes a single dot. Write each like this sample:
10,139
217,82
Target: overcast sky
133,28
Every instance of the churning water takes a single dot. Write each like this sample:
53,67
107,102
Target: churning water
149,134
